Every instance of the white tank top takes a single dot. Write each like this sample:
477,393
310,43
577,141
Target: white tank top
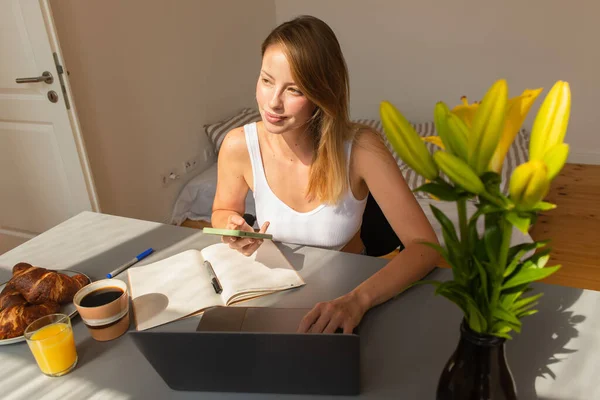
326,226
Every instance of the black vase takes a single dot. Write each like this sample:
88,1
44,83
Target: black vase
477,370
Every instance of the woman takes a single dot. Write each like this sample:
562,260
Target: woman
311,170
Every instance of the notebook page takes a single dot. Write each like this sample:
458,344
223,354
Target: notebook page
170,289
265,271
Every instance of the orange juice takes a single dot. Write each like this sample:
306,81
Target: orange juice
53,347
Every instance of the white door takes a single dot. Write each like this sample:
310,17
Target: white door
44,172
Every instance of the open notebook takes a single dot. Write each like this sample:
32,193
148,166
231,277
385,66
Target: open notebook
180,285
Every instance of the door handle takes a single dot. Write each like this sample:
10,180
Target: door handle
46,77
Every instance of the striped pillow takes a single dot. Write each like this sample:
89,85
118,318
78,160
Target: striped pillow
518,153
216,132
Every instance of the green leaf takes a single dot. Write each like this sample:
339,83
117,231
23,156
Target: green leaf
442,182
452,243
458,294
509,296
473,235
476,320
446,224
425,282
492,239
541,258
483,279
543,206
491,178
521,223
502,335
528,307
525,303
527,275
445,193
527,313
514,263
456,260
523,265
452,291
502,327
506,315
492,181
484,210
442,251
527,247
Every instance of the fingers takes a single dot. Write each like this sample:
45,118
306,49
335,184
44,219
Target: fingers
309,319
320,319
319,326
228,239
348,328
246,246
240,243
264,227
251,248
236,242
326,318
332,326
235,221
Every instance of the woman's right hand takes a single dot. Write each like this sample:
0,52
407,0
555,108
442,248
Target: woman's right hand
246,246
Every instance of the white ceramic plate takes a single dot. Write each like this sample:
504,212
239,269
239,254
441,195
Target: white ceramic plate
68,309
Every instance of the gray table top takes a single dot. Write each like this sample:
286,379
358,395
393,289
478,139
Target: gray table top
404,342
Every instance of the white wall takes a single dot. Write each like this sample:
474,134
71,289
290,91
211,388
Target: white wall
146,76
415,53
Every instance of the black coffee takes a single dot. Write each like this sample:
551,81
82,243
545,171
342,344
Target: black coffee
100,297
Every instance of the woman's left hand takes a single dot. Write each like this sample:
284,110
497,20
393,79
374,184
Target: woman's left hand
345,312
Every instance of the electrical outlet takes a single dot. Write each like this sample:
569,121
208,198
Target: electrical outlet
190,164
168,177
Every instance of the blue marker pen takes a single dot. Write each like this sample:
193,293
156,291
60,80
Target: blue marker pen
128,264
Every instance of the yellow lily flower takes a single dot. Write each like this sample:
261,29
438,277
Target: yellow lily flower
551,121
517,109
466,111
405,140
435,140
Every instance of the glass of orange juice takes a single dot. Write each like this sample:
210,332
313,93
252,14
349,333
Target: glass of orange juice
51,341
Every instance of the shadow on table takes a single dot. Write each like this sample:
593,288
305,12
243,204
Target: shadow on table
410,339
291,253
545,338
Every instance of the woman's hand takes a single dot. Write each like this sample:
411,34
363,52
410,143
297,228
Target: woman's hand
345,312
246,246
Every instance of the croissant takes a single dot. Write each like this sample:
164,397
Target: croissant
10,296
20,267
40,285
14,319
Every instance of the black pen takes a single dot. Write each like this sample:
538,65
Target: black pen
214,280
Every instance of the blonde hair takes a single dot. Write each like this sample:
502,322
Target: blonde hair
319,69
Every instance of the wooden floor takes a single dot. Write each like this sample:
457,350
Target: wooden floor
573,227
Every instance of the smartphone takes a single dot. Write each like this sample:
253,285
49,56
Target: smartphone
236,233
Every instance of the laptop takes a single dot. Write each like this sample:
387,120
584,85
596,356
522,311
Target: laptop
253,350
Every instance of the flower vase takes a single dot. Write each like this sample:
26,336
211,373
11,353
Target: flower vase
477,370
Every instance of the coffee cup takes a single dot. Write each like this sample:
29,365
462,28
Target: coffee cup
104,308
